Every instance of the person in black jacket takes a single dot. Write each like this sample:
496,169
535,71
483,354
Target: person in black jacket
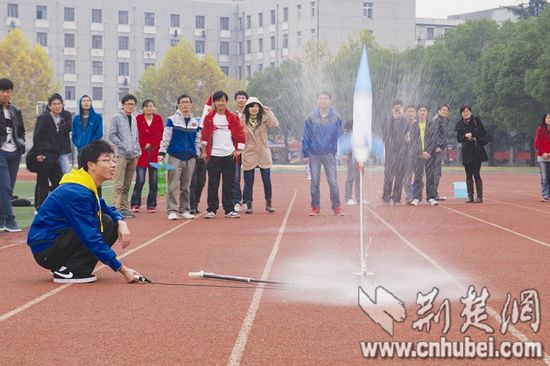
471,133
394,162
12,146
65,151
47,139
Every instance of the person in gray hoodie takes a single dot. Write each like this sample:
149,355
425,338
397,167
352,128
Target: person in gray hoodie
124,135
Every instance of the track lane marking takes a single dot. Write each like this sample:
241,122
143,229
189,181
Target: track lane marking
43,297
13,245
513,330
546,212
240,343
498,226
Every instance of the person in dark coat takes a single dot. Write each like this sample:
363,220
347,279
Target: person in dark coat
471,133
394,162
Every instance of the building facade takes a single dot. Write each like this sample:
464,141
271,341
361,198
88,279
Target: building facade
101,48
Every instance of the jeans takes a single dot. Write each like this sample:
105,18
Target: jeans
352,179
394,171
65,162
544,177
9,164
329,163
138,187
197,183
237,196
179,183
437,170
249,184
224,167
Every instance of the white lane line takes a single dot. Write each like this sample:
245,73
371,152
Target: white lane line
546,212
499,227
513,330
43,297
12,245
240,343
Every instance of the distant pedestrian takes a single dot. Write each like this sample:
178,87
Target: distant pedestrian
87,124
542,144
353,176
393,132
150,129
240,101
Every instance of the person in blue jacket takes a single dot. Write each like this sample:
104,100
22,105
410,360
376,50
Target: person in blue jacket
69,238
87,124
322,128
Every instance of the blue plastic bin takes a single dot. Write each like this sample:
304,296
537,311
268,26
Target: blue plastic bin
460,190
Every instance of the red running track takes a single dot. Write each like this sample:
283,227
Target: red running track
502,244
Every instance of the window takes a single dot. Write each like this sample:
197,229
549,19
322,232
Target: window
272,64
150,44
299,38
174,20
367,9
70,93
97,42
240,48
430,33
97,67
240,23
147,65
224,48
42,39
225,70
199,47
13,10
123,43
70,67
97,93
97,16
248,22
248,71
41,12
285,40
260,45
123,17
273,17
313,8
70,41
260,67
299,11
174,42
68,14
260,19
312,33
240,73
199,22
285,15
224,23
248,46
272,39
123,68
149,19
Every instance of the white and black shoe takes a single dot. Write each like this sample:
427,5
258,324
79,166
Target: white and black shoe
65,275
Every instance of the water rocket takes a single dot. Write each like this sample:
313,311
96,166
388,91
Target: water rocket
361,138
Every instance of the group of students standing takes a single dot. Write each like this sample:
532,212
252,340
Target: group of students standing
415,147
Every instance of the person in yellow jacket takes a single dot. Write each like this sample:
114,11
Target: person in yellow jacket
257,119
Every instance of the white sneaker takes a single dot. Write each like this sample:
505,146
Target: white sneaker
351,202
232,215
415,202
186,215
237,207
172,216
209,215
433,202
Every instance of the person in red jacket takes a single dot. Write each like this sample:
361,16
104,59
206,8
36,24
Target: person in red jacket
223,139
542,144
150,128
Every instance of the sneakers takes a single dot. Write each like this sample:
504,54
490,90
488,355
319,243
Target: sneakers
65,275
210,215
135,208
544,199
172,216
415,202
232,215
186,215
433,202
338,211
440,198
12,227
315,211
194,211
2,226
127,213
151,209
351,202
237,207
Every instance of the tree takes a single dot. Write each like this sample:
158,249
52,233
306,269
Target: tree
30,70
533,8
182,71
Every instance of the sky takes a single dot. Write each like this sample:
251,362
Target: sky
443,8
